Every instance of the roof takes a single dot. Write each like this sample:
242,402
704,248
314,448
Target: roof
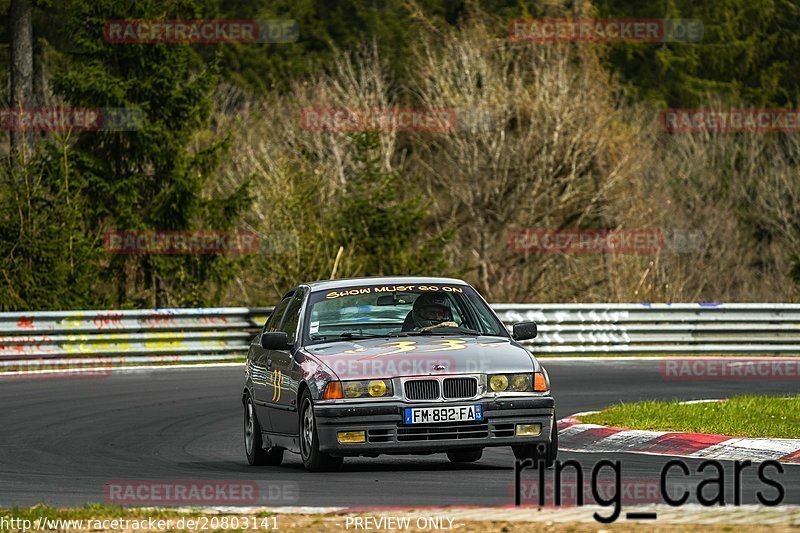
323,285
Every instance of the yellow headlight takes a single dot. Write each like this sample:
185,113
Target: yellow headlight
352,389
498,383
521,382
377,388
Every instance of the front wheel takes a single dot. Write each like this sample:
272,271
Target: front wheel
253,443
313,459
542,451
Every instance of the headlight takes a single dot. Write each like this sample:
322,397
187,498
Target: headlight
353,389
521,383
377,388
374,388
498,382
518,383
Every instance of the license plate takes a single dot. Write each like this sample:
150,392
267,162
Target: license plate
454,413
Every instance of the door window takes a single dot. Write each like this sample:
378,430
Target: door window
275,318
293,317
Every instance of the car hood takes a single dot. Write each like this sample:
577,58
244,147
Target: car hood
422,355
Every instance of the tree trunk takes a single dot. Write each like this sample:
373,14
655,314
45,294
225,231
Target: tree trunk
21,70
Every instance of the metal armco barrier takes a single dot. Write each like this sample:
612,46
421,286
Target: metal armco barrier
169,335
704,328
71,337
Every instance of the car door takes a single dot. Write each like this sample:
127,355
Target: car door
261,371
286,374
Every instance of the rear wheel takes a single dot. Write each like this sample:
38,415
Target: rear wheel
465,456
313,459
253,443
542,451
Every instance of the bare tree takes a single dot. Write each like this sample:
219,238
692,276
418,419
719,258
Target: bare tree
541,140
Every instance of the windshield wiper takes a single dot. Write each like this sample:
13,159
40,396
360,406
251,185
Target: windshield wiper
462,332
349,335
431,332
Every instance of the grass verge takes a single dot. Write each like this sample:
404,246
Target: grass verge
101,518
741,416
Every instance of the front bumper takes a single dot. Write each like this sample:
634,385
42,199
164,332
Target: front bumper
387,433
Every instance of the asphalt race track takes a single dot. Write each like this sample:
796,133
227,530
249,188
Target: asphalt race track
63,439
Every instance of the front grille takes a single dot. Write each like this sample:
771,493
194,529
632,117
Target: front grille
503,430
451,431
379,435
455,388
422,389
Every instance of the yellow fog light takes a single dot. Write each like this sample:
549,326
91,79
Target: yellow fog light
498,383
528,430
351,437
377,388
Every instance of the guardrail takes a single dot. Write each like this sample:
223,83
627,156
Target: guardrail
165,335
681,328
154,335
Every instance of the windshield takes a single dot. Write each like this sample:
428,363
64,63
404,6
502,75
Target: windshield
399,310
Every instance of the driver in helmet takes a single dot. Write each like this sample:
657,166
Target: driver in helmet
430,309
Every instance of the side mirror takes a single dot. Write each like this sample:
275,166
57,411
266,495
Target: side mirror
524,331
275,341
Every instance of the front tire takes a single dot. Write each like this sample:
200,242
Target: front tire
313,459
253,442
465,456
540,452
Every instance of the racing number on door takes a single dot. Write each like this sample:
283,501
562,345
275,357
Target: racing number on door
277,382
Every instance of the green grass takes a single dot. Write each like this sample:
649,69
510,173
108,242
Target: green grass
101,511
741,416
90,511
